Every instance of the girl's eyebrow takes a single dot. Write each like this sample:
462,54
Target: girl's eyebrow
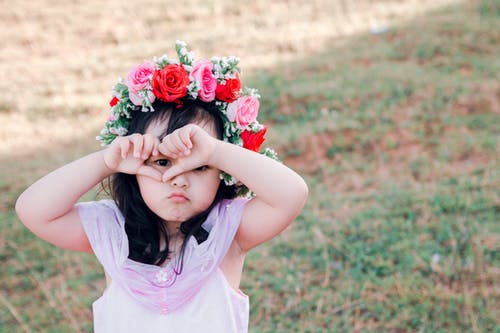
160,156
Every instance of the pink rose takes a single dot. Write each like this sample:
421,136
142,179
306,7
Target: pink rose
202,72
243,111
137,79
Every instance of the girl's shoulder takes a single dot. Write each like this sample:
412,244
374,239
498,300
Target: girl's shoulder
237,202
99,207
105,229
226,212
100,215
228,207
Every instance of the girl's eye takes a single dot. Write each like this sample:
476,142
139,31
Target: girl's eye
202,168
162,162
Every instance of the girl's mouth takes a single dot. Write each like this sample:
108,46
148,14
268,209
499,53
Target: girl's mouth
178,197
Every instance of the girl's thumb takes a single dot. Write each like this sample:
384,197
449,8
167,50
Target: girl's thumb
150,172
172,172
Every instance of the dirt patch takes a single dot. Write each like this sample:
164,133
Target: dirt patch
485,99
294,106
400,142
362,62
308,153
396,156
315,153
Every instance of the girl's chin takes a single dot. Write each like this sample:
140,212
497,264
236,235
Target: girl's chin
176,216
177,213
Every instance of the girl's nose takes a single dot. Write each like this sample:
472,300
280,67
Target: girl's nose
179,181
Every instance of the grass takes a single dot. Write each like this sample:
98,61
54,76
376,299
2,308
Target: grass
397,136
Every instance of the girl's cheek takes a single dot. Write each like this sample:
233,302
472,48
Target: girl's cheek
157,167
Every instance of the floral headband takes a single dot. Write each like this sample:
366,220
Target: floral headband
174,81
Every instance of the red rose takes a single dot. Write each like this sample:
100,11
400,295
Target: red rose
253,141
170,83
114,101
229,91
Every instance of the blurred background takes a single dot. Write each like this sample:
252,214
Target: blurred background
389,109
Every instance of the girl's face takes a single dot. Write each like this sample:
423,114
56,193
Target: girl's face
183,196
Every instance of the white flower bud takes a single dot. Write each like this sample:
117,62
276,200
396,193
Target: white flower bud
180,43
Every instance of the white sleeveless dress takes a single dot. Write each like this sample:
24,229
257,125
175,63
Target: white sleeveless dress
149,298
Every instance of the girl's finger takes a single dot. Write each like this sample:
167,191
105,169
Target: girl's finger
176,142
156,144
182,165
173,171
124,147
167,148
150,172
137,141
185,137
148,146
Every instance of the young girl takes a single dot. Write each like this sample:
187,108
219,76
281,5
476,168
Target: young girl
183,145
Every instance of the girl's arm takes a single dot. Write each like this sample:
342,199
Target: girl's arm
47,207
280,192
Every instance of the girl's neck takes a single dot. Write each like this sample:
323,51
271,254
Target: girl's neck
173,229
175,238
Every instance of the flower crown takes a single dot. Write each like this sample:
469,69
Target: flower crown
174,81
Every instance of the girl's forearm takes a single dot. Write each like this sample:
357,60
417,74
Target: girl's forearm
56,193
271,181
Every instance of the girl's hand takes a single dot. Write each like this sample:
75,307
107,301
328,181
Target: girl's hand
190,146
127,155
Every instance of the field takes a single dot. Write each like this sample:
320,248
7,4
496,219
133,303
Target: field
390,110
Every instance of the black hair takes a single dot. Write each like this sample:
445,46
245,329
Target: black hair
143,227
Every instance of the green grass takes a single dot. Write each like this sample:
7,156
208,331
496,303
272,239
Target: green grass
415,252
397,136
